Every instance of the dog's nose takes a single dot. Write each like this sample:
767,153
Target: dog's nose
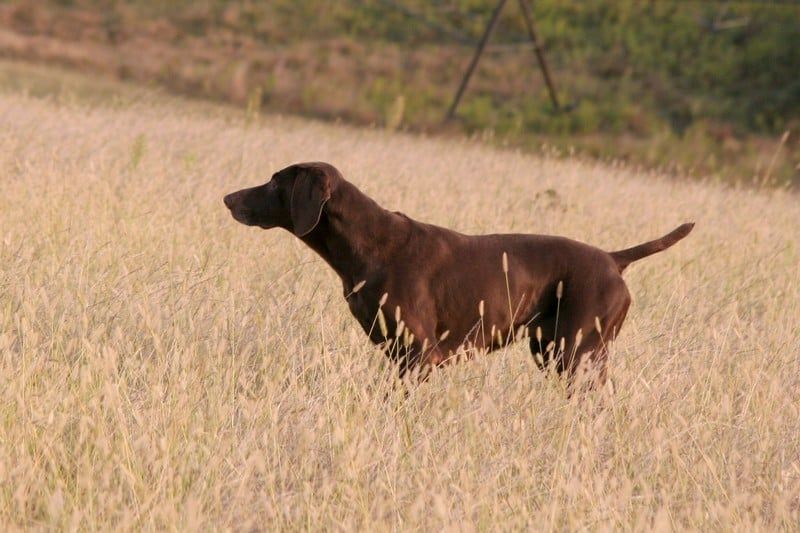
228,201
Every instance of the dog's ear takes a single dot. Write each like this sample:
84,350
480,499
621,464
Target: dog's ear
311,189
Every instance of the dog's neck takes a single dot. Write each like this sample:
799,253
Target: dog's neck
356,236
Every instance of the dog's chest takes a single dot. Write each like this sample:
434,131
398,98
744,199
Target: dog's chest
364,305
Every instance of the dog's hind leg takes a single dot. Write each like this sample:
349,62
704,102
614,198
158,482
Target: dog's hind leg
587,320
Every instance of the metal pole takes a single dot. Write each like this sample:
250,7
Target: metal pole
478,51
528,14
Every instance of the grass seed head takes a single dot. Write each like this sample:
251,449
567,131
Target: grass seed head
382,323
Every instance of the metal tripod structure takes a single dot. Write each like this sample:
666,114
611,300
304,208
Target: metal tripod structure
527,14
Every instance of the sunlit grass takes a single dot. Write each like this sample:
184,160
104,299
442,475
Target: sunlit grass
165,367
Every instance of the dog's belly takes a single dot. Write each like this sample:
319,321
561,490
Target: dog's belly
488,315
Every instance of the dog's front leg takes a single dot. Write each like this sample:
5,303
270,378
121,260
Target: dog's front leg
417,349
419,360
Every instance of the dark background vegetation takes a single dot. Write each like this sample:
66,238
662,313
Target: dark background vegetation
704,88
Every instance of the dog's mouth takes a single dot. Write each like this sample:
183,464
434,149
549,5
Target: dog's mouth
242,215
246,217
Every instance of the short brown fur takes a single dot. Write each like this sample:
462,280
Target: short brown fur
451,289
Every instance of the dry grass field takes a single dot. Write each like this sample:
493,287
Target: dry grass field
163,367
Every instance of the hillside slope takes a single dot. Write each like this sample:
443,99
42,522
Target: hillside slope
164,367
697,88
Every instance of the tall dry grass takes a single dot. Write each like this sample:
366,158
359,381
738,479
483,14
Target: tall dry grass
163,367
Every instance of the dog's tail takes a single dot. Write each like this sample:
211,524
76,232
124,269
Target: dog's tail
625,257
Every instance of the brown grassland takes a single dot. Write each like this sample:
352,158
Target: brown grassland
164,367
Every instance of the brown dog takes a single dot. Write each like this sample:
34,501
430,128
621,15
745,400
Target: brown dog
423,291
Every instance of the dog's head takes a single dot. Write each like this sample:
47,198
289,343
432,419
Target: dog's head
293,199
